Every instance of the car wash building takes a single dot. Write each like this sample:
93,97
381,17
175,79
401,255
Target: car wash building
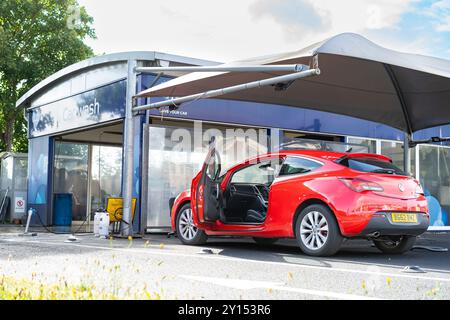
76,137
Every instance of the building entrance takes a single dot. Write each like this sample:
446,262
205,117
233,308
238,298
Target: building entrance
87,169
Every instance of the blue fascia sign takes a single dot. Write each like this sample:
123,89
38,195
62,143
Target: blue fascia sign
92,107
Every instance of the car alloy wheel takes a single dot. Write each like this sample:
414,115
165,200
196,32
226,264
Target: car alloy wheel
317,231
187,231
187,228
314,230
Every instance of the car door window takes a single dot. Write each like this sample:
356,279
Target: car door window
263,172
213,166
296,165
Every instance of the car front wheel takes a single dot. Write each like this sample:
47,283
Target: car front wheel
317,231
395,245
187,232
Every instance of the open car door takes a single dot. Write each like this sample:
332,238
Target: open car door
208,204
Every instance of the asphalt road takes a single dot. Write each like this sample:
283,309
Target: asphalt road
228,268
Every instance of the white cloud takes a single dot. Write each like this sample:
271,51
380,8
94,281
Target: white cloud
358,16
439,11
296,17
236,29
444,25
441,5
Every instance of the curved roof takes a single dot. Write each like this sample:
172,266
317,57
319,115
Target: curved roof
359,78
106,59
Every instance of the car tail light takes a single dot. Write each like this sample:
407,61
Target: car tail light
419,191
360,185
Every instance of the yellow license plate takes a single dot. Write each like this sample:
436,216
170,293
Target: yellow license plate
404,217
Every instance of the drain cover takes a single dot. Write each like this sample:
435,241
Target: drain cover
207,251
72,239
413,269
431,248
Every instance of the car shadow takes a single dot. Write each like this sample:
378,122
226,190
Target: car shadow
360,252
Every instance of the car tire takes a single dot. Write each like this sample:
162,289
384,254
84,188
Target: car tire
396,245
317,231
265,241
187,232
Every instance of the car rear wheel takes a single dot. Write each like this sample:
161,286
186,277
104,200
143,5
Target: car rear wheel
265,241
317,231
395,245
187,232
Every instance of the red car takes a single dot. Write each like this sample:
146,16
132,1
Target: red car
317,197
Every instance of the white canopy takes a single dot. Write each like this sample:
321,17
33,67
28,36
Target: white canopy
358,78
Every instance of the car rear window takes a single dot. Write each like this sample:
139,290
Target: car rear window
372,165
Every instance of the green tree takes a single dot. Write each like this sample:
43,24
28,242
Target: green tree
37,38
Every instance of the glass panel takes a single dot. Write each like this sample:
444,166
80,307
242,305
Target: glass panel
71,175
20,174
170,171
106,178
393,150
413,161
38,172
176,156
312,144
370,144
6,173
434,164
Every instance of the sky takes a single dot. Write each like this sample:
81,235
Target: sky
235,29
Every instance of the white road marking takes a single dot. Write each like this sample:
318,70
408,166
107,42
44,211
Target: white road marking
278,286
240,260
386,265
235,283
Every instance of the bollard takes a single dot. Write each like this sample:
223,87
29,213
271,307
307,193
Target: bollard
31,211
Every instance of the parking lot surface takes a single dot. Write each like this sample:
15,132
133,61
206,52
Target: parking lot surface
228,268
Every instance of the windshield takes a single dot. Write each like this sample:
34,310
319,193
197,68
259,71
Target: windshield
372,165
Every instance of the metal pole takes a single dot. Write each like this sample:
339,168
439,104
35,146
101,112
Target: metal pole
126,227
225,68
232,89
407,153
30,213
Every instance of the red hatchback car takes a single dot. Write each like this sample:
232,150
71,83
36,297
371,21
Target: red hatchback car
317,197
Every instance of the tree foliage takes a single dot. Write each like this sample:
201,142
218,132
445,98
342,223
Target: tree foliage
37,38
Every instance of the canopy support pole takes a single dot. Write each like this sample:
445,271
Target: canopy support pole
228,90
400,96
226,68
407,153
408,134
126,225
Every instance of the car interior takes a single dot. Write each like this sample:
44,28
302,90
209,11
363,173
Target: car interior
246,197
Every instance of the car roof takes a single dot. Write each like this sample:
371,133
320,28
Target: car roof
333,155
317,154
325,155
